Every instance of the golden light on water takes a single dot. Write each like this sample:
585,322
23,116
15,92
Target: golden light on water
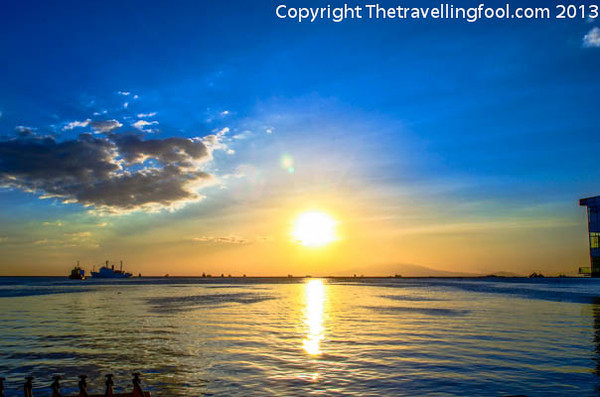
314,229
315,300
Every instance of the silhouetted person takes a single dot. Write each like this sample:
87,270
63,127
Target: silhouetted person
56,386
109,386
28,387
83,386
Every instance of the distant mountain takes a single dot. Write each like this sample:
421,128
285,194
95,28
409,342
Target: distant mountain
504,274
407,270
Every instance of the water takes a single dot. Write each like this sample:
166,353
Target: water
367,337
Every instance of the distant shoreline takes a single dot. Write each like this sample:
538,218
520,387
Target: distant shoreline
305,277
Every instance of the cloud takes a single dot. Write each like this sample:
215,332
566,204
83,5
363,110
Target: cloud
101,126
222,240
55,223
105,126
141,124
181,151
145,115
592,39
25,131
76,124
114,174
242,135
124,93
216,141
79,236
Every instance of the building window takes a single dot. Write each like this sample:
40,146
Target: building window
594,240
594,218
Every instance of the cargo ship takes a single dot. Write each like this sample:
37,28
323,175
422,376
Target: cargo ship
108,271
77,273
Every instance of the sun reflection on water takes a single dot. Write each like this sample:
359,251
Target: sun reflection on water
315,299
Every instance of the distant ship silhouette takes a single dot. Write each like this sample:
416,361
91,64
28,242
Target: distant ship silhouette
107,271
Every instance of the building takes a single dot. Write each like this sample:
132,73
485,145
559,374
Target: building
593,211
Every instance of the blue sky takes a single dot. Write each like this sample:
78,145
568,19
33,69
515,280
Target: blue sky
464,124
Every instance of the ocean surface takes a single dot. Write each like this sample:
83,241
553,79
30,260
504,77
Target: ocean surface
299,337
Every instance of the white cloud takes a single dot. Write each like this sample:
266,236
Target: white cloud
145,115
142,124
100,112
124,93
216,141
592,39
76,124
126,105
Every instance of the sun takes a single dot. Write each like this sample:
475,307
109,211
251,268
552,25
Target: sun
314,229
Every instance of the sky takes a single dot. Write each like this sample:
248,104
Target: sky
187,137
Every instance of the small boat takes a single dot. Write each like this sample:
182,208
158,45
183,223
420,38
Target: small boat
77,273
107,271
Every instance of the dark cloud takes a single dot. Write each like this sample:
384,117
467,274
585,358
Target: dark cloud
105,126
113,173
134,149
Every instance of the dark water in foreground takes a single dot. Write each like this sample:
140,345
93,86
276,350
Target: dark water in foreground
190,337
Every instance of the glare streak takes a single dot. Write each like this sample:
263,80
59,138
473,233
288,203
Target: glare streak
315,299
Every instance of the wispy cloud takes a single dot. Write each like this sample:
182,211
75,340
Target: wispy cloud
55,223
146,115
242,135
76,124
222,240
142,124
592,39
24,130
79,236
216,141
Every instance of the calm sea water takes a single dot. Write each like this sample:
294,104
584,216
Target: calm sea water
254,337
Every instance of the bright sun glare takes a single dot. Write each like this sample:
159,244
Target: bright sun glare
314,229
